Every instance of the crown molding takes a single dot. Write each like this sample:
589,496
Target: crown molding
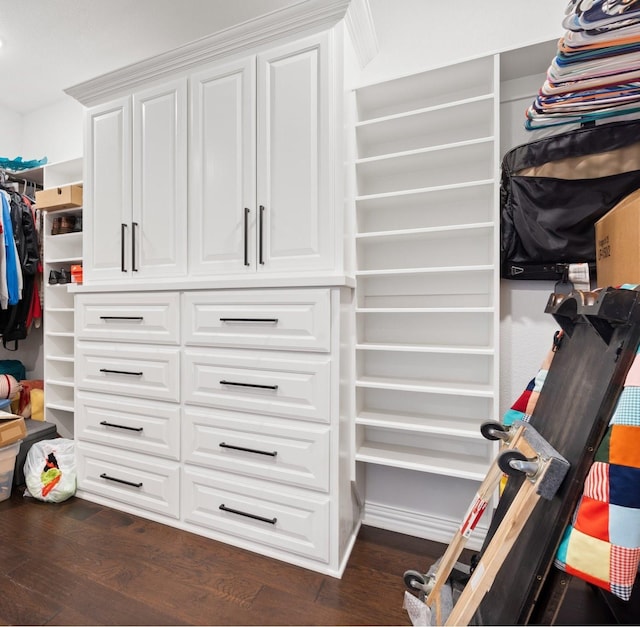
359,22
306,16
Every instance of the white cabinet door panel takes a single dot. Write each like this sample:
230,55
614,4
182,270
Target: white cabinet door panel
138,425
137,480
295,183
266,448
222,215
275,320
159,237
131,370
130,317
272,515
107,191
286,384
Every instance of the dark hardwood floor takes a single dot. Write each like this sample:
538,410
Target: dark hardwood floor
78,563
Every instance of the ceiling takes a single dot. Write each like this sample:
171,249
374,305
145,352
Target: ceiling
49,45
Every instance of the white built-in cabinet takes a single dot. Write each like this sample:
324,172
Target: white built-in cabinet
212,383
261,159
136,160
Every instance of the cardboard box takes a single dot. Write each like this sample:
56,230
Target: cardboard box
618,243
12,429
59,197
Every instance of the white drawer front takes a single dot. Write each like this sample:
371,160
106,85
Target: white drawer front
146,317
138,480
128,369
277,319
287,519
278,384
133,424
267,448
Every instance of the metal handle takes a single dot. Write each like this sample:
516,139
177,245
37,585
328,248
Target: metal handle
271,521
121,318
269,320
260,238
133,374
104,475
133,246
246,236
110,424
249,385
248,450
123,232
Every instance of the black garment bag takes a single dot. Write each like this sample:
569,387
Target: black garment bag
552,192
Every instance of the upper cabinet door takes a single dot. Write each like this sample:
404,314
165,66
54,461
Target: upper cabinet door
222,161
296,152
107,192
159,216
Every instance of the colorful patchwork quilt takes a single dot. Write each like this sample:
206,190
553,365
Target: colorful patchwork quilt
602,543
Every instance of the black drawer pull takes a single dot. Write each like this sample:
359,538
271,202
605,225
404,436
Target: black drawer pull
121,318
271,521
268,320
104,475
110,424
133,374
249,385
248,450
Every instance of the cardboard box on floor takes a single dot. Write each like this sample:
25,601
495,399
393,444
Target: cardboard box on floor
12,429
618,243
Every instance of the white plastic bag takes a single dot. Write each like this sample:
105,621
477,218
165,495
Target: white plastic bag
50,470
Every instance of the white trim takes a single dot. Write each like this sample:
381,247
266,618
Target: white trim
418,524
362,31
307,15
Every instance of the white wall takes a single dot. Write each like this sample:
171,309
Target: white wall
54,132
11,135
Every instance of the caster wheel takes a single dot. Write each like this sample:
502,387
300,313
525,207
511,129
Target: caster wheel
414,580
492,430
504,462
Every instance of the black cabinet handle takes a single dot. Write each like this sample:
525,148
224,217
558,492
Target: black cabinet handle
123,233
104,475
134,226
261,235
133,374
246,236
121,318
269,320
110,424
248,450
249,385
271,521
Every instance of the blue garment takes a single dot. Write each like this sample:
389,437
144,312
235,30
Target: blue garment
10,251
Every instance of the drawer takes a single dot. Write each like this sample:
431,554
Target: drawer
147,317
128,369
276,319
292,385
138,480
272,515
259,446
133,424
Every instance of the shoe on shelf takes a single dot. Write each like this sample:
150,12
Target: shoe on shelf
65,276
54,277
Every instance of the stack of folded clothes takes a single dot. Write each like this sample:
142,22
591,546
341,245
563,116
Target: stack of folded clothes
595,74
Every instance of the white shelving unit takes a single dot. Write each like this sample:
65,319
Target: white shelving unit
427,312
60,251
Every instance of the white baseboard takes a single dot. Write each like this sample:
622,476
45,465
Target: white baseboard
418,524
